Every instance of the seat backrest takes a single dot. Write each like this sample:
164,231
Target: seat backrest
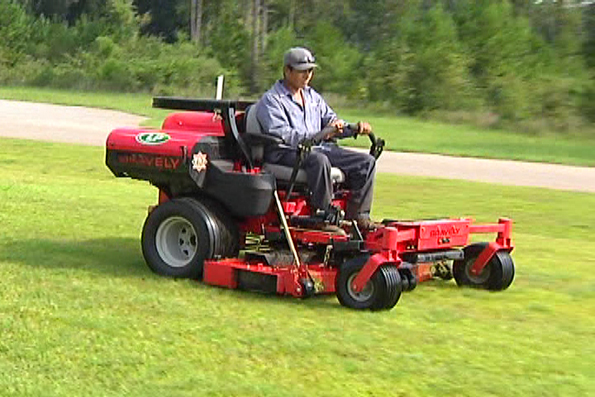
252,124
253,127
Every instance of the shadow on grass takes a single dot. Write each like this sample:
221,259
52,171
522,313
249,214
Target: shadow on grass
330,301
114,257
122,258
314,302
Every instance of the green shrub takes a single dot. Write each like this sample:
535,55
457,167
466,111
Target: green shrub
59,41
15,32
115,74
340,63
105,47
438,76
559,100
272,65
387,71
71,75
509,96
88,30
587,101
229,43
424,68
43,78
121,20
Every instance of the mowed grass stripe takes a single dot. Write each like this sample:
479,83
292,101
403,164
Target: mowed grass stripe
81,314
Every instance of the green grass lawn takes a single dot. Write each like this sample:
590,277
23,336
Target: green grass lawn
81,314
400,133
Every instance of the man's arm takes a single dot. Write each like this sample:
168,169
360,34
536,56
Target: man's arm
274,121
327,114
329,117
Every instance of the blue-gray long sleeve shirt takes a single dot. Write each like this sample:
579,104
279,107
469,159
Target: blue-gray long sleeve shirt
280,115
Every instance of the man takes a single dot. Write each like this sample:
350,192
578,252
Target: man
293,111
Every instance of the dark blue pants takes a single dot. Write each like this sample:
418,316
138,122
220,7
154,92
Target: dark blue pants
359,169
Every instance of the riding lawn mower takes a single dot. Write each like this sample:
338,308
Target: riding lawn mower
227,217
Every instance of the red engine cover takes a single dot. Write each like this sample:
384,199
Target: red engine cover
205,123
180,130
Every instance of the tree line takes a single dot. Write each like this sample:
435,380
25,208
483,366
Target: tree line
524,62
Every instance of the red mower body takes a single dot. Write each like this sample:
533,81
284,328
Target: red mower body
163,150
221,216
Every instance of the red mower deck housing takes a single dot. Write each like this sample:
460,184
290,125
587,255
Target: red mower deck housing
224,217
424,242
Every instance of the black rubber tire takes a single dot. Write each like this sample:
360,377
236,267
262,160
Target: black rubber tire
393,289
404,281
381,293
408,279
169,255
506,272
228,229
496,276
412,281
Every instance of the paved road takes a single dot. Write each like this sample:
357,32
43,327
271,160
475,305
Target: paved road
73,124
91,126
504,172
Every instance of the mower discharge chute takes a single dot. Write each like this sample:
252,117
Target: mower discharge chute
227,217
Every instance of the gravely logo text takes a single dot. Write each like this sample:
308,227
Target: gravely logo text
450,231
161,162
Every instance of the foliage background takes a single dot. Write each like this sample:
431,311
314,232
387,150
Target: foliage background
520,62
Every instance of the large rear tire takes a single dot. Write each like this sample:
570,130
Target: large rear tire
180,234
382,292
497,275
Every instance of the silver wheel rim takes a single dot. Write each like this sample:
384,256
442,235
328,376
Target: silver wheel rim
362,296
176,241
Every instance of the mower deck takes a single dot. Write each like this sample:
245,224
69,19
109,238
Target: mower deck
420,248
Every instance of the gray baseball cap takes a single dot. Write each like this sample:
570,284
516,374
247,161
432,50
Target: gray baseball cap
299,58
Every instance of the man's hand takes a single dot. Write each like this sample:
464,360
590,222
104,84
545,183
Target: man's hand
335,128
364,128
339,125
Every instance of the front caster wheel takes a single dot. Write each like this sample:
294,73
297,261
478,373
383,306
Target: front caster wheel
497,275
382,292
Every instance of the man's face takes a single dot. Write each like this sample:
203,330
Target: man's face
297,79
